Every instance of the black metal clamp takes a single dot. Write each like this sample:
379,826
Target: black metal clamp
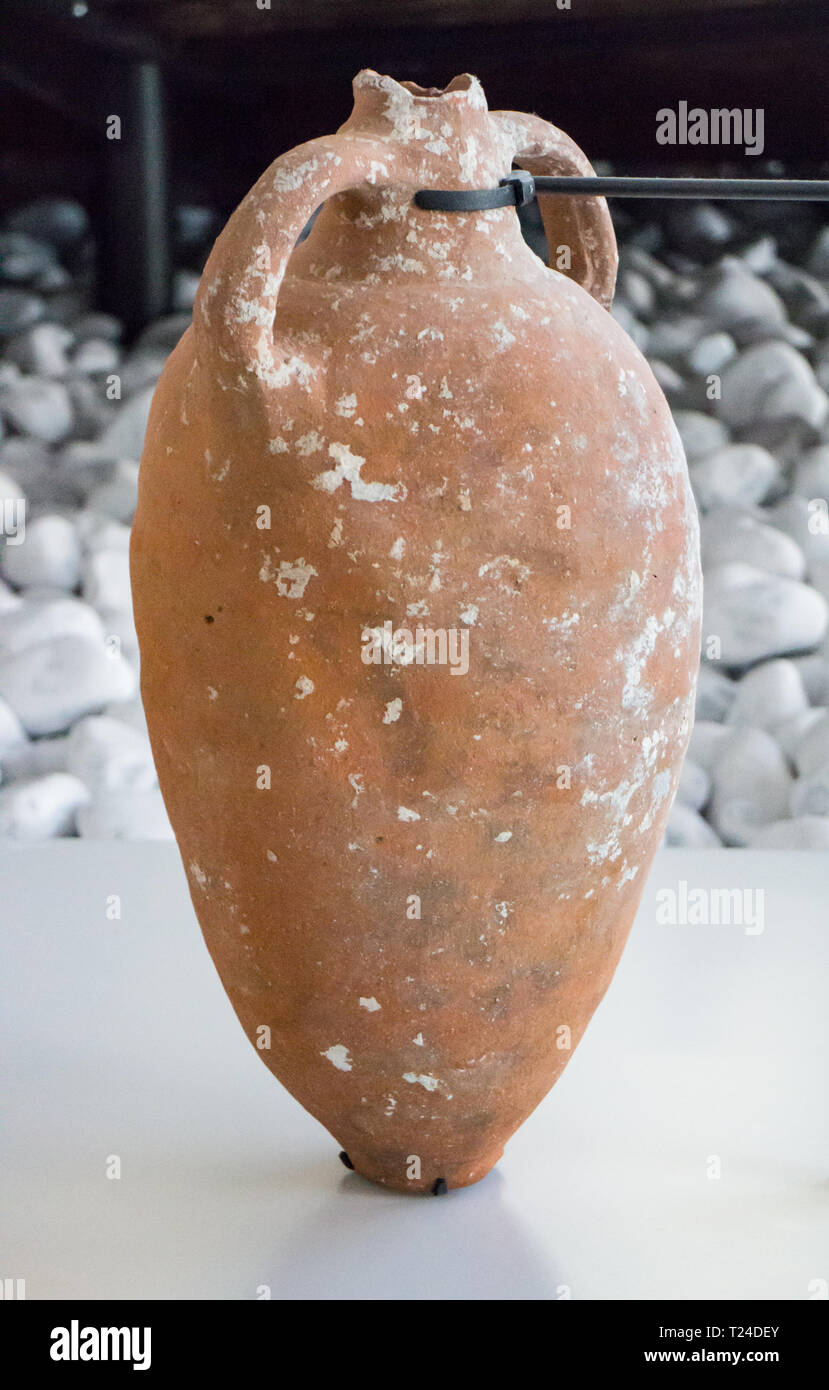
517,189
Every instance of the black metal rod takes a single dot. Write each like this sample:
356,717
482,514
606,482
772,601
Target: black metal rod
519,188
799,190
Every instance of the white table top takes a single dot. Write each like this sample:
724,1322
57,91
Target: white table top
120,1041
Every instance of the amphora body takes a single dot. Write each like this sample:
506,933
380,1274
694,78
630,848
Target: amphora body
416,583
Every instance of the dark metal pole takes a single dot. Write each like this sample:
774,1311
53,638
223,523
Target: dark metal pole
520,187
135,261
798,190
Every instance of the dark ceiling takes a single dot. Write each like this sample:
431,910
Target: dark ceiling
244,83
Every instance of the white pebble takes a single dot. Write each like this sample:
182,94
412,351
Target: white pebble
12,733
761,255
818,262
129,712
106,579
740,474
807,832
694,785
80,468
675,337
185,285
124,437
142,368
811,474
627,320
819,579
41,350
735,298
805,524
810,794
120,634
98,532
668,377
107,755
93,412
770,382
50,554
790,732
756,615
29,464
36,620
736,818
636,258
707,741
97,325
118,496
38,407
36,758
42,808
715,694
10,488
711,353
8,598
51,685
701,435
814,673
768,694
46,593
687,830
812,751
729,535
752,785
95,355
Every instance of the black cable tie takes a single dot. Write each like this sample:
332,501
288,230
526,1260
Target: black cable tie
519,188
521,185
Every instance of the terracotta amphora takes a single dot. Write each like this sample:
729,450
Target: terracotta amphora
417,591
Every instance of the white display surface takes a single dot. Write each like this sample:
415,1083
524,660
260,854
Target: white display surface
118,1040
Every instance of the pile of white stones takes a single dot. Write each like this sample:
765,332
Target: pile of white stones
736,328
74,754
737,333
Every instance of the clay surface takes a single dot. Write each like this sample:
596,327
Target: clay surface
415,882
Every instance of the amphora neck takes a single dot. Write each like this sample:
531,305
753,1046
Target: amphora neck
435,138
